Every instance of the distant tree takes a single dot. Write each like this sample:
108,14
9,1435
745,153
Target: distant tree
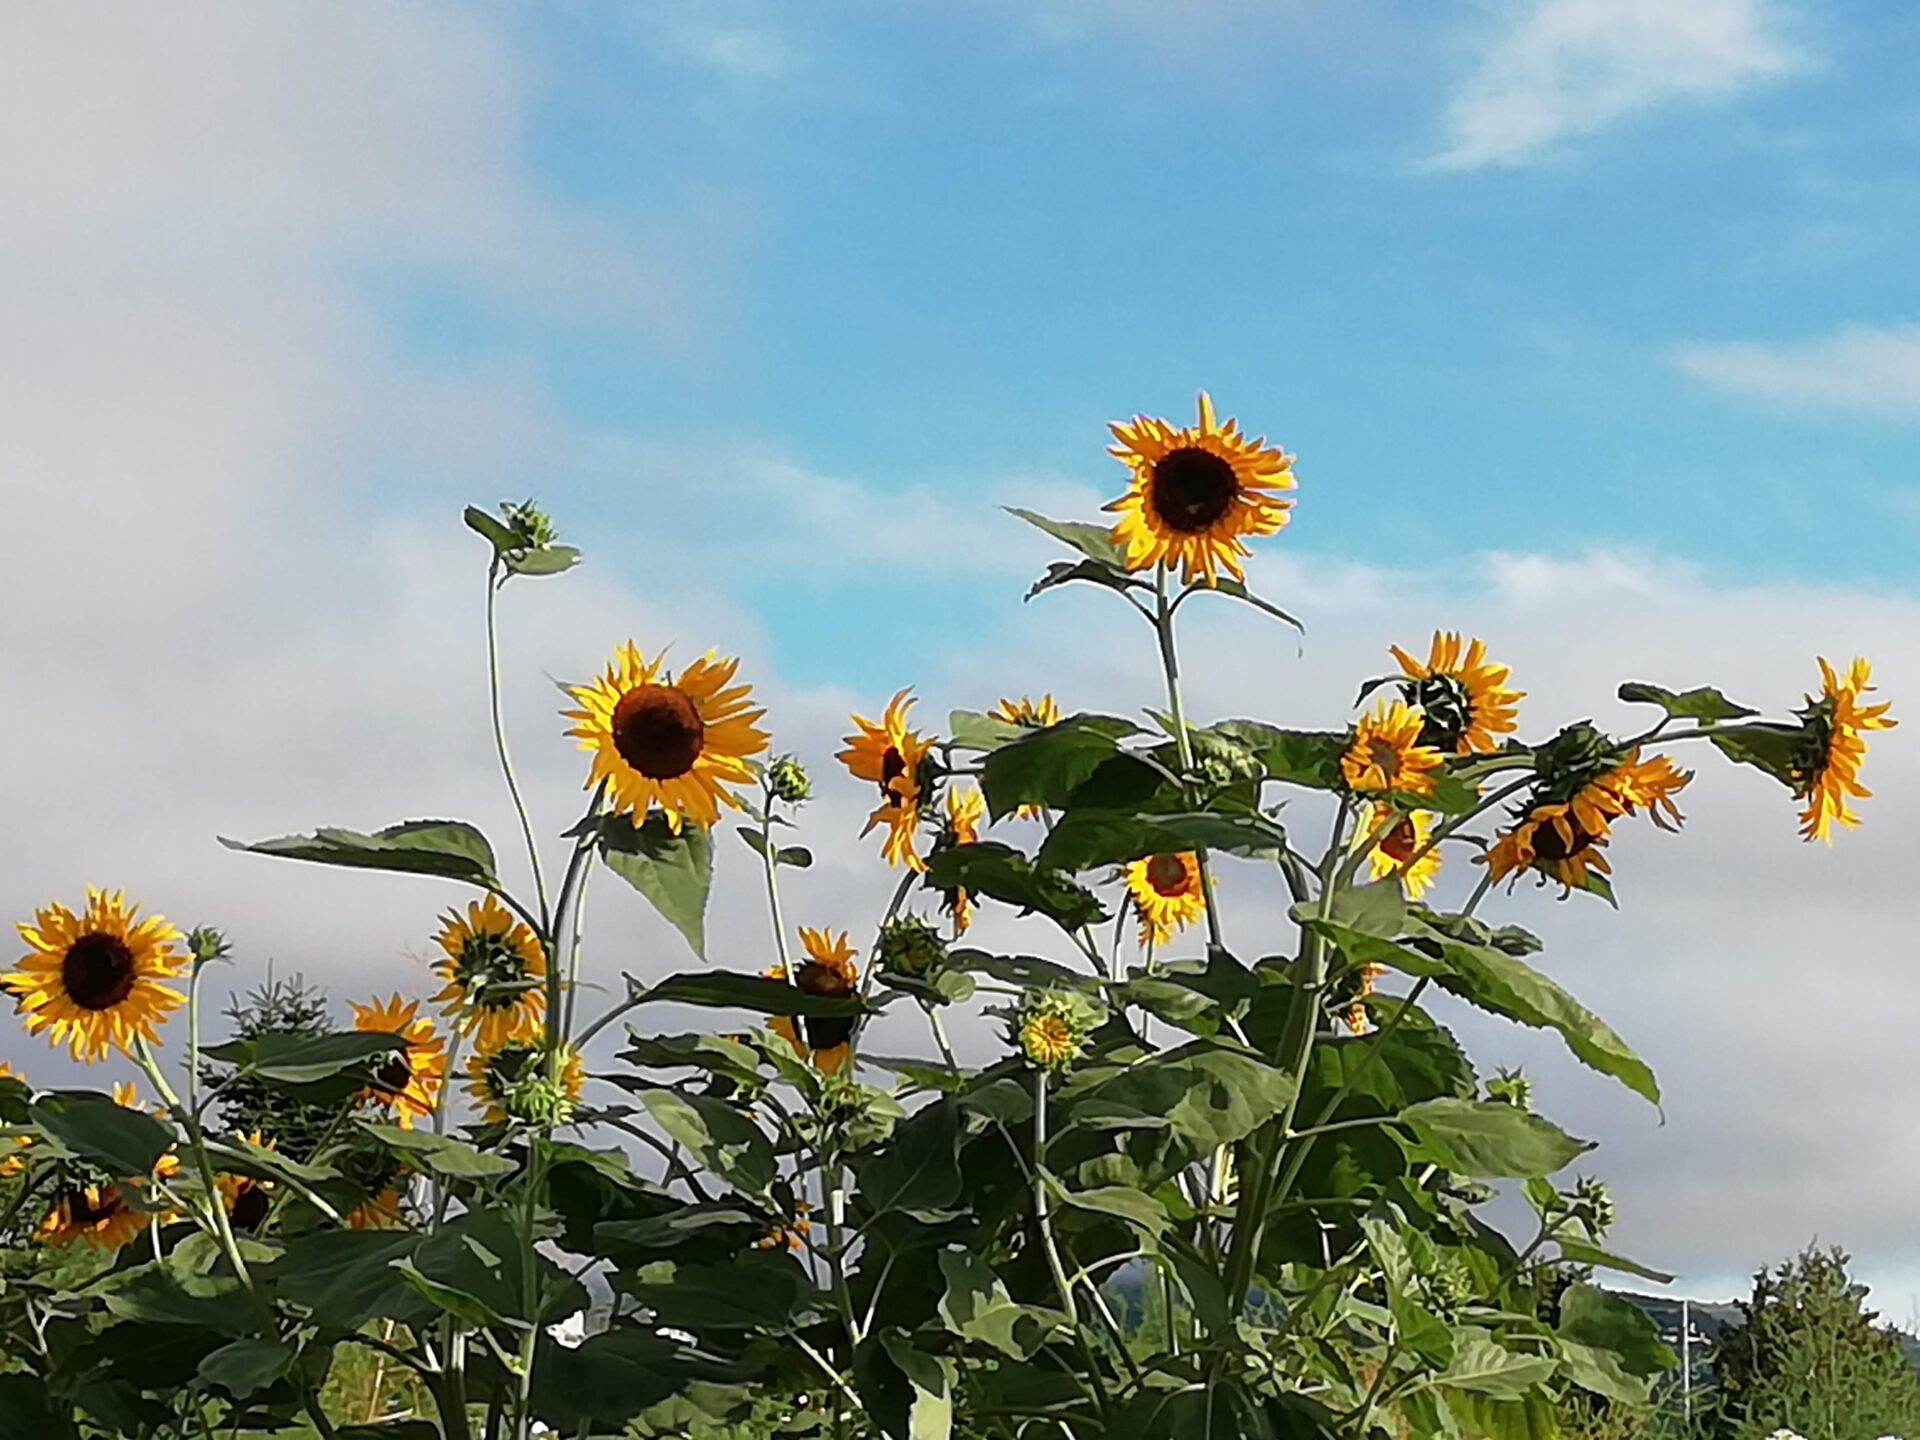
294,1124
1806,1355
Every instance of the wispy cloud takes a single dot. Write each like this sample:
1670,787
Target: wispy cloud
1561,68
1860,369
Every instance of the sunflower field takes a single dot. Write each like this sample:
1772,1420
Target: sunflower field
1209,1181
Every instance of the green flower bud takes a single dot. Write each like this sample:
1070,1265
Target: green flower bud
537,1100
910,946
1051,1027
1591,1205
532,527
207,944
788,781
1510,1087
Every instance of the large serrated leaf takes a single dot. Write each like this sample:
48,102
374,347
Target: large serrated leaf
451,849
1045,767
1002,873
1096,542
673,869
1488,1140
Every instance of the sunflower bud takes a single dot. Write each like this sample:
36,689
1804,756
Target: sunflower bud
910,946
1051,1027
1510,1087
1572,758
1450,1286
788,781
538,1100
1591,1205
532,527
207,944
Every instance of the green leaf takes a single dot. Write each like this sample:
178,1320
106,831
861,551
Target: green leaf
1225,585
26,1409
543,560
156,1296
727,989
930,1417
1488,1140
474,1267
1418,1328
919,1170
345,1278
1096,542
607,1380
1044,767
1578,1252
1206,1093
1705,704
1773,748
1121,1202
726,1141
1096,572
1023,970
1085,839
672,869
1593,1317
441,1154
90,1126
971,730
1484,1367
494,531
284,1057
977,1306
797,856
451,849
1002,873
713,1053
246,1367
678,1227
1296,757
756,1290
459,1303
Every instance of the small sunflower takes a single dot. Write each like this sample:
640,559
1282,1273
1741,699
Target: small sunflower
1388,754
666,741
965,810
829,969
409,1083
247,1200
1051,1027
1827,772
13,1164
492,1074
790,1234
1198,492
890,755
1027,712
494,969
1463,695
1411,836
376,1212
97,1214
1167,895
1550,839
1355,1017
94,980
1047,1041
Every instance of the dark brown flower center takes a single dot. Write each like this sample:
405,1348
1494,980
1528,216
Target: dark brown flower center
393,1076
98,972
658,731
892,766
1401,842
1550,844
1167,874
1192,488
825,1031
250,1207
89,1207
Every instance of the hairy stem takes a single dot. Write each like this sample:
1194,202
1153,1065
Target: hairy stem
1170,667
494,583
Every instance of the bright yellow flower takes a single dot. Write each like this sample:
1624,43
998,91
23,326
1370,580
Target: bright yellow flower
1551,840
93,981
494,969
1463,695
1048,1041
1197,493
1167,895
1836,725
889,755
666,741
1408,838
1387,753
966,808
830,970
492,1072
1027,712
97,1214
409,1084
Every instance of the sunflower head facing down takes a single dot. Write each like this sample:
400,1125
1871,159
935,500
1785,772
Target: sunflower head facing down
96,981
966,808
494,969
409,1082
1402,851
1463,696
889,754
247,1200
496,1076
1387,753
1550,839
1198,492
97,1214
1826,770
675,742
1167,895
828,970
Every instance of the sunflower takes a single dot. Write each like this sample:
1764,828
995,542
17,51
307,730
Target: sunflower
891,756
494,969
409,1083
247,1199
829,969
674,743
1550,839
96,1213
1047,1041
1463,695
1631,786
1027,712
1411,836
790,1234
1388,753
1827,771
1355,1017
94,980
1197,492
376,1212
1166,894
493,1072
965,810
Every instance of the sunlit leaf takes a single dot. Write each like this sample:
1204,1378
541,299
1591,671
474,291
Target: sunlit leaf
451,849
673,869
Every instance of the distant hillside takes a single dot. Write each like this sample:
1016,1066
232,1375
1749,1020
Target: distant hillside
1708,1319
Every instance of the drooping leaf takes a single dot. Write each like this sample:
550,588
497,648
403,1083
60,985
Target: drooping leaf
1025,970
1704,704
1237,590
673,869
609,1379
1044,767
121,1141
730,990
1772,748
1488,1140
289,1058
1002,873
971,730
724,1139
244,1367
1310,758
1578,1252
713,1053
977,1306
798,856
442,1154
157,1297
1094,572
1096,542
1591,1316
451,849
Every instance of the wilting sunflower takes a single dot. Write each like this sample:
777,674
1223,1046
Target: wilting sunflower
1629,787
409,1083
247,1199
1198,492
965,809
493,1072
1548,838
1463,695
494,969
1388,754
1027,712
1407,838
829,969
1827,770
890,755
1167,895
674,742
94,980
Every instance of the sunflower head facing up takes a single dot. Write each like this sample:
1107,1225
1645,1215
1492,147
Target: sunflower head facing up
675,742
498,1076
1463,695
1197,493
1404,851
1167,895
828,970
494,969
96,981
966,808
409,1082
1826,768
1387,753
889,754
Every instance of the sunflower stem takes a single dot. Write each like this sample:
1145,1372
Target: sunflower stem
495,582
566,911
1043,1222
1170,667
769,853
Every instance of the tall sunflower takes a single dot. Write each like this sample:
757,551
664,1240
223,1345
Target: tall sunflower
1197,493
95,980
889,754
1166,894
1388,754
1408,837
829,969
409,1084
1827,769
493,1071
667,741
494,969
1463,695
966,807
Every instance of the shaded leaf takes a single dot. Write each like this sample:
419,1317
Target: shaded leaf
989,868
246,1366
920,1170
1044,767
978,1307
726,989
1121,1202
674,870
971,730
290,1058
726,1141
441,1154
1769,747
123,1142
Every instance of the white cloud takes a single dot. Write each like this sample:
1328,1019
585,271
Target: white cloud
1555,69
1859,369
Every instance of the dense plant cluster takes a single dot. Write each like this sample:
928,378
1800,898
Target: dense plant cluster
1218,1182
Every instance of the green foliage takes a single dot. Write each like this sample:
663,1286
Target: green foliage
266,1026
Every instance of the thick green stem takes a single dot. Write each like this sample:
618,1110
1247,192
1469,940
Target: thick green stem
1043,1222
494,582
1170,667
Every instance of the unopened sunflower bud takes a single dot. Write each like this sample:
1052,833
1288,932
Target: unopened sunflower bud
1051,1027
910,946
532,527
1510,1087
1591,1205
207,944
788,781
539,1101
